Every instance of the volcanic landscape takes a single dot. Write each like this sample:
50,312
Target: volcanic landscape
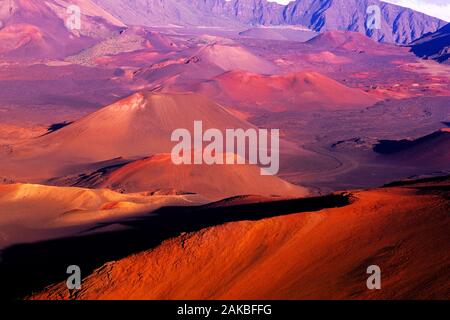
86,177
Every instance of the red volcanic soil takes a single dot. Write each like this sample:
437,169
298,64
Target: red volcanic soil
200,63
18,35
301,91
139,125
229,57
215,182
387,70
36,29
326,57
345,40
26,41
155,40
316,255
134,127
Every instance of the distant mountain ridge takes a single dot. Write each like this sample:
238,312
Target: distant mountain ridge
398,24
434,46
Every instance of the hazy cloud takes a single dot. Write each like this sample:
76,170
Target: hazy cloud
435,8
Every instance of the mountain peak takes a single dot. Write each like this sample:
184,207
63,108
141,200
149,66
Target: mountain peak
139,125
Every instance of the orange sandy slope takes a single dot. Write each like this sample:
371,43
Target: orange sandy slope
135,127
215,182
139,125
320,255
30,213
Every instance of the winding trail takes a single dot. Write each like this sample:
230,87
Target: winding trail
343,164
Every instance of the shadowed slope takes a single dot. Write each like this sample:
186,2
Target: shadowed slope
434,46
119,238
430,150
30,213
318,255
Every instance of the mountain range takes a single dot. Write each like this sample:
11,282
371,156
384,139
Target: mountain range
100,17
397,25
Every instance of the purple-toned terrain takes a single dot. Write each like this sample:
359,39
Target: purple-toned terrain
90,106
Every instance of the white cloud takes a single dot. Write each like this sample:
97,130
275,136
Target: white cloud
435,8
283,2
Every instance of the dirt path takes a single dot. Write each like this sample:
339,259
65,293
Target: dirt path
343,165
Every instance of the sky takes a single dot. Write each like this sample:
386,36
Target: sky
435,8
